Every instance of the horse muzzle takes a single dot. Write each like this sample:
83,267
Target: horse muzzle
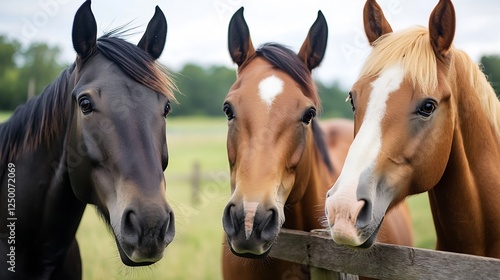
251,228
351,224
144,234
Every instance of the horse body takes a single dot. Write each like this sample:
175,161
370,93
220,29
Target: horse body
95,135
426,119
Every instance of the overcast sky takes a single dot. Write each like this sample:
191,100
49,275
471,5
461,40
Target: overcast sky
197,29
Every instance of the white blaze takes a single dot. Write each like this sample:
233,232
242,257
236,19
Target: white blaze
366,146
250,208
269,88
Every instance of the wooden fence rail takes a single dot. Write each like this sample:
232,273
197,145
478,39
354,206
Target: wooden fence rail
381,261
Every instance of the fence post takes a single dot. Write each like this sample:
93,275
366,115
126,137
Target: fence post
324,274
195,184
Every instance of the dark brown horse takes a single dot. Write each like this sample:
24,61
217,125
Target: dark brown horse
426,119
95,135
279,161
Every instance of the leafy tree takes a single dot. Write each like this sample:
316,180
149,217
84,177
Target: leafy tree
202,90
38,62
491,67
333,101
41,64
9,73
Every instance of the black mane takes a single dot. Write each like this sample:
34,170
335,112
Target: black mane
135,63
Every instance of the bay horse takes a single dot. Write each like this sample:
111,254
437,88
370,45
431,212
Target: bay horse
279,161
426,119
96,135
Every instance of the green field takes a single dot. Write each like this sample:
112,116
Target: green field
4,115
196,250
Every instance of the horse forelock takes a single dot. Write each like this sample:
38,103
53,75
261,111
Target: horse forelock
411,50
136,63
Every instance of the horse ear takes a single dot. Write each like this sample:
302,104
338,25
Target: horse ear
239,41
84,31
153,40
374,21
314,47
442,27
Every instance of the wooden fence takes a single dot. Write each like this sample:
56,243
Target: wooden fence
327,260
382,261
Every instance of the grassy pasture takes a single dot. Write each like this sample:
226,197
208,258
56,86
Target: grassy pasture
196,250
4,115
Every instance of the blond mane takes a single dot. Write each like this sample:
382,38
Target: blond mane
412,50
485,92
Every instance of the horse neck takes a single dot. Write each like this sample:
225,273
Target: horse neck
314,178
466,202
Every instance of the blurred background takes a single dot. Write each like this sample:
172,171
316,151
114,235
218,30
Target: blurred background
35,45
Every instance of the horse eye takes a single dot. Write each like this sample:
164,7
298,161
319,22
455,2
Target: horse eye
228,111
349,98
308,116
167,109
427,108
85,105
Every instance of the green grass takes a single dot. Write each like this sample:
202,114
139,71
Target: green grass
4,115
423,225
196,250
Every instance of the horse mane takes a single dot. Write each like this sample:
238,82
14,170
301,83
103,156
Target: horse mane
485,92
136,63
39,120
320,144
286,60
412,50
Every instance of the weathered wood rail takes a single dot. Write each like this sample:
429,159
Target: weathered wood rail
381,261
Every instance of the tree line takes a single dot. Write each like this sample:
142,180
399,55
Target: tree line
201,89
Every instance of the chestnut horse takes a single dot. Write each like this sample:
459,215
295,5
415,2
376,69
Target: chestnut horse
95,135
279,162
426,119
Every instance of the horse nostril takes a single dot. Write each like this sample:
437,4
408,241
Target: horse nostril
229,219
167,231
131,228
270,224
365,214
